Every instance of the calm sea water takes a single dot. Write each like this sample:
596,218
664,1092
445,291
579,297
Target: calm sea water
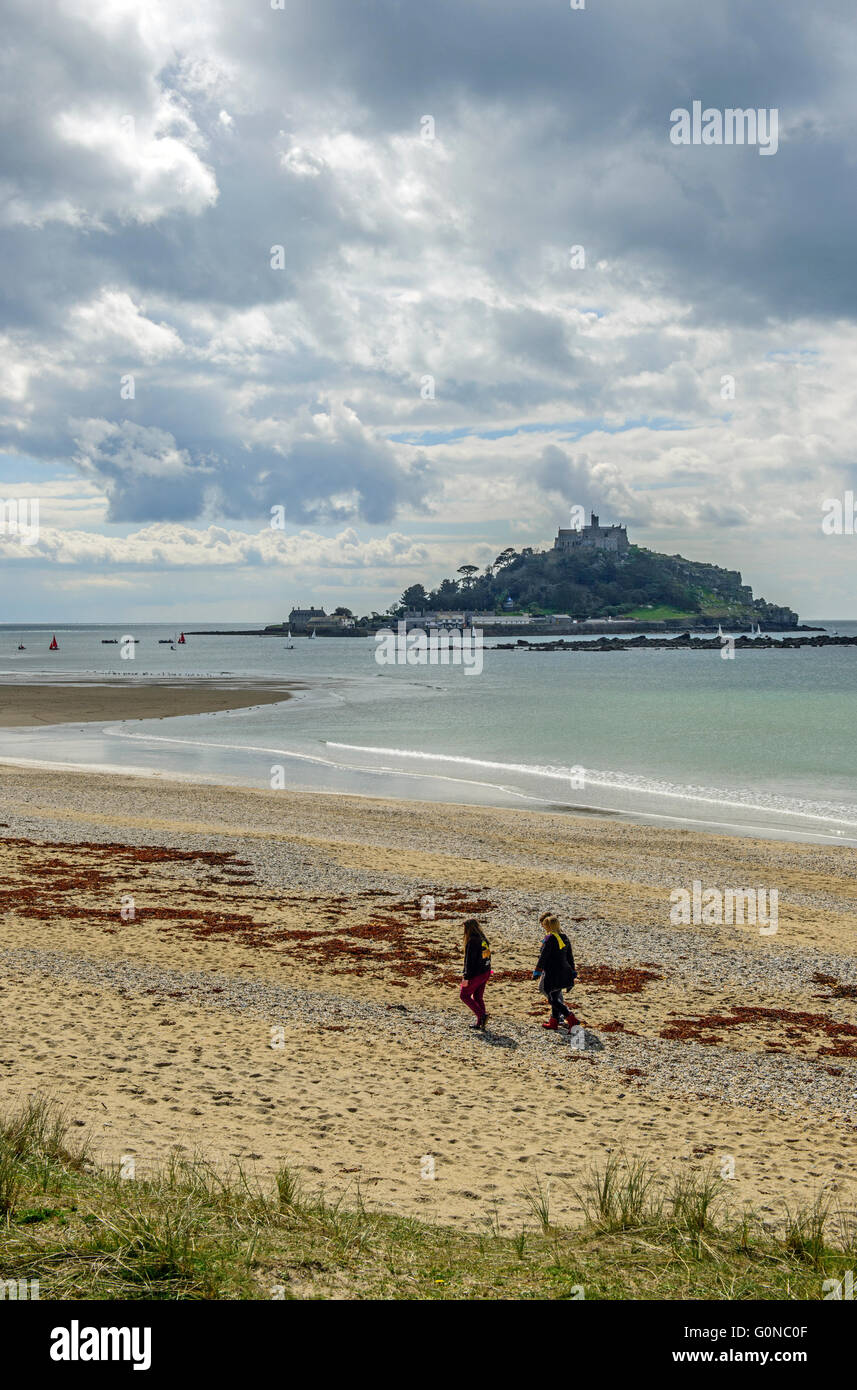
760,744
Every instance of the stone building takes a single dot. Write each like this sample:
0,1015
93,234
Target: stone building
613,539
300,618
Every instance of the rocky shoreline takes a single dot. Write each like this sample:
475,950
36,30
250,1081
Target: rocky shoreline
683,642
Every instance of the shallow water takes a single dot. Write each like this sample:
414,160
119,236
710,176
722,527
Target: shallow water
762,743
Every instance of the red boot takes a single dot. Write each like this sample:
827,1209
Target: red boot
551,1023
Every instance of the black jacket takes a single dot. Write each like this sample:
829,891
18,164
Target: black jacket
557,963
477,956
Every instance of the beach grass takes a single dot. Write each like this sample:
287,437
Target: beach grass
191,1231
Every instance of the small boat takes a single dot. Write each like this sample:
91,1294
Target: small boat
719,630
181,640
21,647
289,643
312,634
54,647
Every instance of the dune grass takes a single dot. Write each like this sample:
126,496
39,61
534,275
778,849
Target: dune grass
193,1232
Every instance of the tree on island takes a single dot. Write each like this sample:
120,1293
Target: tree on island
445,596
415,599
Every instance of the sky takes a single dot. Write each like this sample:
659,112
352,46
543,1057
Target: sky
308,301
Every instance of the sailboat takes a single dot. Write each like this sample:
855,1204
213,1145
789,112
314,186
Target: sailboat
312,634
54,647
21,647
719,630
181,640
289,643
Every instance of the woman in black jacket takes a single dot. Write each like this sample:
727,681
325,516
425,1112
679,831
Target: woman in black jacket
477,970
556,966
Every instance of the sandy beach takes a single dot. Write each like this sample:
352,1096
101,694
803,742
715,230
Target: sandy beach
28,706
273,976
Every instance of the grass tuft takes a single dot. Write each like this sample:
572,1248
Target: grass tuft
538,1201
621,1196
39,1132
806,1231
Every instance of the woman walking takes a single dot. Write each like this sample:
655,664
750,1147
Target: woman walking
477,971
556,967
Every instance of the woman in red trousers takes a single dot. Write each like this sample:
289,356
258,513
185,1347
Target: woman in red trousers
477,970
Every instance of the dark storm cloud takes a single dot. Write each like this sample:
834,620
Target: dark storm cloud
735,233
254,127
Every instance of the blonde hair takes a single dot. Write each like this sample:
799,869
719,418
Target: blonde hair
549,921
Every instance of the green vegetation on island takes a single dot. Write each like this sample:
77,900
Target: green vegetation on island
591,583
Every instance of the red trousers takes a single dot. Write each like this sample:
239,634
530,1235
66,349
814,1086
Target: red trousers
472,992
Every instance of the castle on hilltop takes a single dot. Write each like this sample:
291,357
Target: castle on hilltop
613,539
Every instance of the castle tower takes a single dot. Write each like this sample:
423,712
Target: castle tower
613,539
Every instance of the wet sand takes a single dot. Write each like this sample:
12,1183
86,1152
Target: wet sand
29,706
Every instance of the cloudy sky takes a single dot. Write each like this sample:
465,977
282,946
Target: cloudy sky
316,258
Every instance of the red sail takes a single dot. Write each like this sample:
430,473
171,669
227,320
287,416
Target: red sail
54,647
181,639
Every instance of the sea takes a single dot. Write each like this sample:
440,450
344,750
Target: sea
761,744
